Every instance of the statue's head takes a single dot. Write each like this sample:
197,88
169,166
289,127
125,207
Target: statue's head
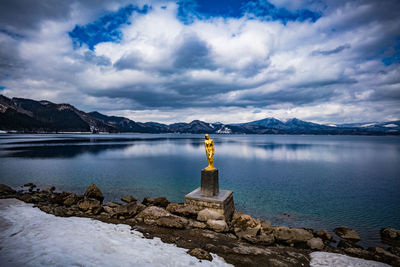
207,137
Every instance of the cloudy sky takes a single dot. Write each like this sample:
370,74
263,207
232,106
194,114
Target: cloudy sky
327,61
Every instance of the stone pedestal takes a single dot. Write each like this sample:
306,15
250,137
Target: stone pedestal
221,203
209,183
208,196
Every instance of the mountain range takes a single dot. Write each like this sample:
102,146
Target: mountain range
30,116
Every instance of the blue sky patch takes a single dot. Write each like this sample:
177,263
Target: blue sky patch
190,9
2,87
395,57
105,29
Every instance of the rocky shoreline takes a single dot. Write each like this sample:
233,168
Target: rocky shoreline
241,240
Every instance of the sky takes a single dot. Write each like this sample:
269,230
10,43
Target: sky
326,61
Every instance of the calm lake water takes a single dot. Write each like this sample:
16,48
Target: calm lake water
321,181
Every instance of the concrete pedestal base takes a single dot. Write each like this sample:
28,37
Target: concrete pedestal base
221,203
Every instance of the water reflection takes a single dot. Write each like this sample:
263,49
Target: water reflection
117,148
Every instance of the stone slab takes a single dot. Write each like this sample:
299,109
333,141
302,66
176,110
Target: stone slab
209,183
221,203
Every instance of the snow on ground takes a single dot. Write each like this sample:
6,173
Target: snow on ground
30,237
325,259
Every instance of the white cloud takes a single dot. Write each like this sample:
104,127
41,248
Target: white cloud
216,69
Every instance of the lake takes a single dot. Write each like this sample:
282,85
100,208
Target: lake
319,182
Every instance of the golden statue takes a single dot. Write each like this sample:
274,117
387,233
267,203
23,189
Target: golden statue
209,144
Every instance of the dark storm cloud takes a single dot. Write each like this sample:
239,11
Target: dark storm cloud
28,14
330,52
193,53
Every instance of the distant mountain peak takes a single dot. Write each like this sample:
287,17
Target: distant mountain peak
27,115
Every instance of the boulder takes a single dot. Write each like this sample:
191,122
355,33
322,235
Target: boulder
147,201
217,225
90,205
291,235
172,221
385,256
324,235
151,214
128,199
266,226
28,198
261,239
59,211
390,234
245,226
108,210
206,214
72,199
188,211
58,198
49,190
6,190
94,192
347,233
315,243
161,202
113,204
196,224
128,210
201,254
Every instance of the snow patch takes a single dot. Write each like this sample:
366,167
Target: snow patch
2,108
326,259
224,130
30,237
368,125
64,107
390,125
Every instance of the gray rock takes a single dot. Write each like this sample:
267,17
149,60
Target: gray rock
128,210
291,235
72,199
151,214
49,190
266,226
108,209
206,214
324,235
385,256
196,224
315,243
91,206
147,201
347,233
390,233
94,192
189,211
262,239
113,204
201,254
161,202
128,199
217,225
244,225
172,221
